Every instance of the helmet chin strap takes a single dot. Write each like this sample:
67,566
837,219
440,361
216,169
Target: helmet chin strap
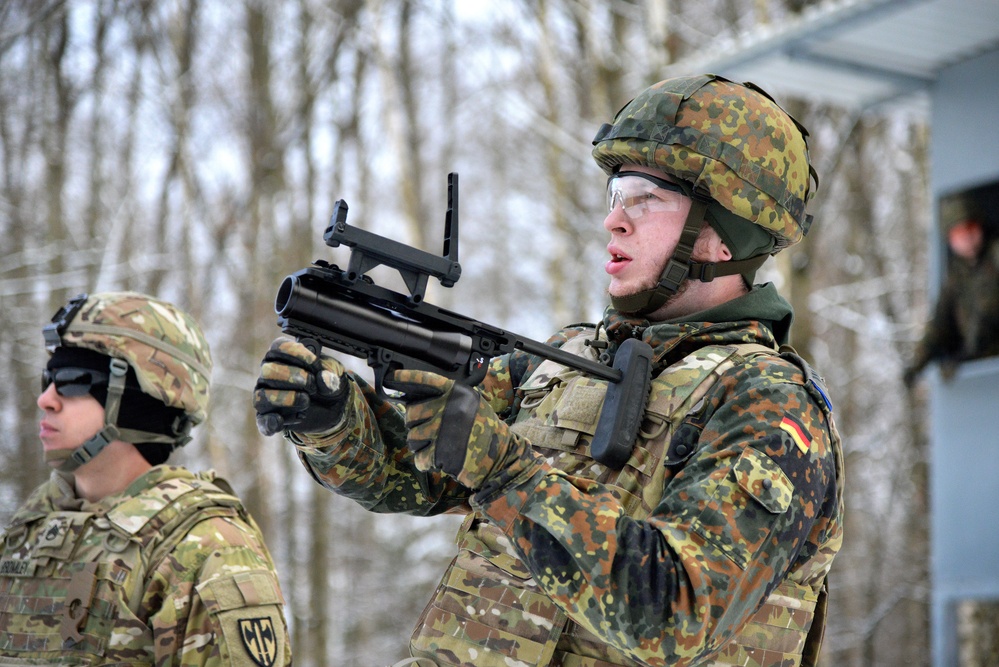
680,268
70,461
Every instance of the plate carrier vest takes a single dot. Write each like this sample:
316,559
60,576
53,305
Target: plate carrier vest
488,611
71,582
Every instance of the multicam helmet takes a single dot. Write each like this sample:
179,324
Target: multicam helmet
744,159
163,345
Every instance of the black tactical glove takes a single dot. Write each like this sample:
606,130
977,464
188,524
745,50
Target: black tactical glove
452,428
298,391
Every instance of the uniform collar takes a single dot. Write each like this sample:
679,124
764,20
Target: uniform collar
760,316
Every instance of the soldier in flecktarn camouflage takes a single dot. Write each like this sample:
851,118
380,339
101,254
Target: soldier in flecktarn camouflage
711,543
965,321
120,559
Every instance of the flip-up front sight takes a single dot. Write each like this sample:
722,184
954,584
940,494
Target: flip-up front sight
415,266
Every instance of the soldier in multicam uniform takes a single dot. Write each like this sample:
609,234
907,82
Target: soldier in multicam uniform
120,559
965,321
711,544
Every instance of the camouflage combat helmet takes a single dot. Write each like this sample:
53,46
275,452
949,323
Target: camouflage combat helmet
163,345
742,157
959,208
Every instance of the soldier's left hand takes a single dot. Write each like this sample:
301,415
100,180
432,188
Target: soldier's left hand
452,428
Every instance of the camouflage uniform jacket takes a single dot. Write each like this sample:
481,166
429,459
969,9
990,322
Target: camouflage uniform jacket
670,586
173,571
965,322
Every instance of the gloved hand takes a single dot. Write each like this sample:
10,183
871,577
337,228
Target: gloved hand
298,390
452,428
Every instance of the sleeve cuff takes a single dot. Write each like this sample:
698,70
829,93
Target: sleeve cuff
315,441
503,505
331,437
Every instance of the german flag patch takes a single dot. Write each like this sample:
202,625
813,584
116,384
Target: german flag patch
797,433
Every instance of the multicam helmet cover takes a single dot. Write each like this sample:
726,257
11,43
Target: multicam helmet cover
164,345
731,140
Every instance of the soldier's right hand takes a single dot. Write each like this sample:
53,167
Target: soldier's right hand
298,390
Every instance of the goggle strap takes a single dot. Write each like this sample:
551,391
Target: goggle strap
116,387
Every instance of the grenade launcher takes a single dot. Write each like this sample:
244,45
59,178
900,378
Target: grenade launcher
323,305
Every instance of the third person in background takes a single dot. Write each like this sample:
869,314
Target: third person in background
965,320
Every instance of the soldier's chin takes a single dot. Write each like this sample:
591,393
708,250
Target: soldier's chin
622,292
56,457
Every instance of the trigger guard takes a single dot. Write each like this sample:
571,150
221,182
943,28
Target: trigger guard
381,362
476,374
311,344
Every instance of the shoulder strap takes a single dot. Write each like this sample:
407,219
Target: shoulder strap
38,505
678,388
815,384
168,500
581,345
161,517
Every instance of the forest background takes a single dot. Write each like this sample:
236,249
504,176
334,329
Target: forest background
193,150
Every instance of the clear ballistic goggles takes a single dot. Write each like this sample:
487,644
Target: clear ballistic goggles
72,381
639,193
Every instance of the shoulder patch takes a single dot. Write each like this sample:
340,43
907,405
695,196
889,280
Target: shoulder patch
260,640
246,607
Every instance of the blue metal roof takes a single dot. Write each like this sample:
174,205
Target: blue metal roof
857,53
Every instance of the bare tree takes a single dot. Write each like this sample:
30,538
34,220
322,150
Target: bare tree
195,150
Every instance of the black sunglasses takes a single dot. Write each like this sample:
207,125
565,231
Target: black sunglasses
73,381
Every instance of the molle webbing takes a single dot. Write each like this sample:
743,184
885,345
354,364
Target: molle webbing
777,632
80,582
489,611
